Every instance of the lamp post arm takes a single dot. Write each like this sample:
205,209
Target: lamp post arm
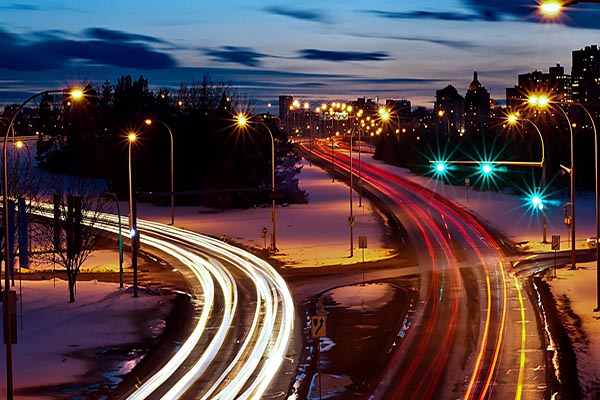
172,173
541,139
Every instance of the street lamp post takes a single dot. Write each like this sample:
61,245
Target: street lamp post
351,217
7,301
242,121
543,102
597,205
149,122
512,119
133,233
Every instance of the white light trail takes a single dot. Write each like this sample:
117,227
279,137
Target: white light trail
259,357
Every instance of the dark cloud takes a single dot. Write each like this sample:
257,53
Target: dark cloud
53,50
581,15
238,55
455,44
120,36
306,15
388,81
446,16
326,55
20,7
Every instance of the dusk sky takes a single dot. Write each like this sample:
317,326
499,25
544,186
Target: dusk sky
313,50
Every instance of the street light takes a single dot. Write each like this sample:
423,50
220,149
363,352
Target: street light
351,217
552,8
133,232
242,121
597,199
75,94
19,144
149,122
513,119
544,102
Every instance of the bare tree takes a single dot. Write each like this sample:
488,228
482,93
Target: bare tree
69,230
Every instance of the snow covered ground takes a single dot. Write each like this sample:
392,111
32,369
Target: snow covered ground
313,234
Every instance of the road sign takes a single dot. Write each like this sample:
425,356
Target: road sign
362,242
555,242
318,326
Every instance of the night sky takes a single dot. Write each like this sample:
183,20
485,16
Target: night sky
313,50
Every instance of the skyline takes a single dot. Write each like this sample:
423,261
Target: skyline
311,50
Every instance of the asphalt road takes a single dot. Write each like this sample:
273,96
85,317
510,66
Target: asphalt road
474,333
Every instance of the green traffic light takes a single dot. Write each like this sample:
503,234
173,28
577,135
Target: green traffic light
537,202
486,168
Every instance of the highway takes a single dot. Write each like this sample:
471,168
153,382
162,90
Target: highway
474,333
244,323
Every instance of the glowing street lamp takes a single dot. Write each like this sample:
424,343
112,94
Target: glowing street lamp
133,231
243,121
149,122
552,8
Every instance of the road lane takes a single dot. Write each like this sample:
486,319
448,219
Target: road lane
462,263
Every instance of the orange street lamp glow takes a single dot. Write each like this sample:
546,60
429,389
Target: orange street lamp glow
19,144
539,101
131,137
384,114
441,113
76,93
242,120
148,121
550,7
512,119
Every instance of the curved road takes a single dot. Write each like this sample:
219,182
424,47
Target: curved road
474,335
246,315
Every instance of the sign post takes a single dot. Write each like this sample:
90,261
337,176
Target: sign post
264,232
555,247
362,244
318,329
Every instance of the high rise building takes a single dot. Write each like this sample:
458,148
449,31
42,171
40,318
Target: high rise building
555,84
477,106
449,104
585,77
285,104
